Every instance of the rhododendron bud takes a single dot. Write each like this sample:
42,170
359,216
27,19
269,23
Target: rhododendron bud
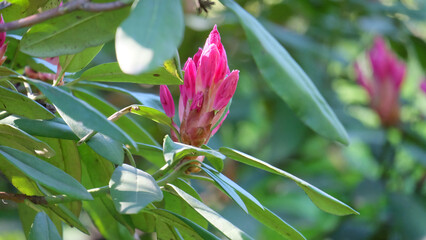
423,85
207,89
46,76
384,84
167,101
3,45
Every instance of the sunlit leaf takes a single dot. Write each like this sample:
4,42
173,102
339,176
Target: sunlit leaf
324,201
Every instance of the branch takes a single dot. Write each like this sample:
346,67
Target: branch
45,200
68,7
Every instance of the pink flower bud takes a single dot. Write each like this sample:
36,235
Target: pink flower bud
388,73
197,104
423,85
167,101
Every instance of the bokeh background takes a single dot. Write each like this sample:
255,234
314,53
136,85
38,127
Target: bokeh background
382,173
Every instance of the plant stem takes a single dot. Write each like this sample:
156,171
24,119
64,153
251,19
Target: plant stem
130,157
114,117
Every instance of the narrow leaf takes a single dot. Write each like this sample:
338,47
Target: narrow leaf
45,173
18,139
223,225
16,103
111,72
143,47
288,79
81,112
153,114
133,189
43,228
76,62
174,151
324,201
227,189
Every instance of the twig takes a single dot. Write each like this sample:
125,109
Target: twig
114,117
45,200
68,7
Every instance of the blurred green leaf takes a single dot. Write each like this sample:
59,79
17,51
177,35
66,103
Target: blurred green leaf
111,72
18,139
72,33
76,62
143,47
324,201
133,189
288,79
27,215
21,8
43,228
223,225
16,103
45,173
81,112
4,71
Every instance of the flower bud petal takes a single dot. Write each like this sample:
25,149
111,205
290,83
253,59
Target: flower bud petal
189,79
220,124
2,34
423,85
167,101
197,56
207,68
226,90
197,104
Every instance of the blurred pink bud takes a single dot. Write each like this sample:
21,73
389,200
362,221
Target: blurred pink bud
2,34
167,101
388,73
423,85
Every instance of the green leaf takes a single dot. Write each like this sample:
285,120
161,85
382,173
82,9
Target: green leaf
143,47
133,189
147,99
324,201
111,72
227,189
103,145
81,112
66,158
192,229
21,105
288,79
4,72
27,215
43,228
18,139
152,153
76,62
258,211
68,216
96,172
174,151
21,8
54,128
72,33
175,204
223,225
133,129
153,114
45,173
